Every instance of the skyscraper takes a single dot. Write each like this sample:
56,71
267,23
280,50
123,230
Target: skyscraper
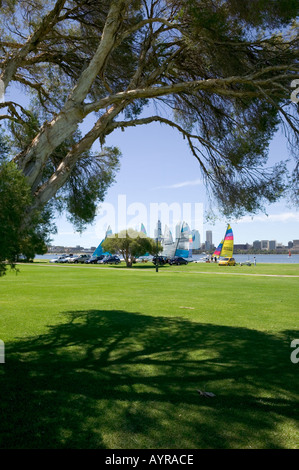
209,240
158,230
195,239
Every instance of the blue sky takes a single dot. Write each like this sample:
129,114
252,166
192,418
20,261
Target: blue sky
157,167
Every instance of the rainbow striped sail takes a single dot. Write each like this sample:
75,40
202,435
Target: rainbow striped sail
228,244
217,252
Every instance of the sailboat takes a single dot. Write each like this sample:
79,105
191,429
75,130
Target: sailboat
142,229
227,249
181,246
218,250
99,250
190,245
226,255
183,241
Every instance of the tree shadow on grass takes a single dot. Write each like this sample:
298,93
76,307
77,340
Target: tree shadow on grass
114,379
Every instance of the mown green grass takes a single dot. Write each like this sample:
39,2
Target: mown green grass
100,357
260,268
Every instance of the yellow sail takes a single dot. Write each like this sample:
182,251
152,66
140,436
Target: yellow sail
228,244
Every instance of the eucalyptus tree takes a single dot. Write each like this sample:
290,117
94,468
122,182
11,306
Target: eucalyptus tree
224,68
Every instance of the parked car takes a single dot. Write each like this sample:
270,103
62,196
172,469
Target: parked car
58,260
178,260
112,260
66,259
101,261
81,259
227,262
160,260
94,259
72,259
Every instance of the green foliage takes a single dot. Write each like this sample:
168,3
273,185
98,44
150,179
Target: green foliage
4,147
16,236
266,13
130,244
236,177
37,234
88,184
239,192
237,127
256,13
14,199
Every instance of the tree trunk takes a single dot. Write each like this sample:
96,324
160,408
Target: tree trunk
32,160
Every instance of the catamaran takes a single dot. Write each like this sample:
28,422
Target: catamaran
225,248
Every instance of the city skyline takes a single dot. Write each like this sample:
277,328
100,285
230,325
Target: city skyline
284,225
205,242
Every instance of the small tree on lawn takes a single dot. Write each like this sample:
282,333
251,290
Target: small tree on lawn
131,244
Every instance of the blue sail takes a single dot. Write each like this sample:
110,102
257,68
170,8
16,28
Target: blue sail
99,250
183,245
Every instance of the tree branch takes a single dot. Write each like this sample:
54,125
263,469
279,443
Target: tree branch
11,65
66,122
56,181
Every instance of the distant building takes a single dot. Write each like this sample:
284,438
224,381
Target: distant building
158,231
272,245
241,246
209,240
257,245
265,244
296,244
195,239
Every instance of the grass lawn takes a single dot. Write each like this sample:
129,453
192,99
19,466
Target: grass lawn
104,357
